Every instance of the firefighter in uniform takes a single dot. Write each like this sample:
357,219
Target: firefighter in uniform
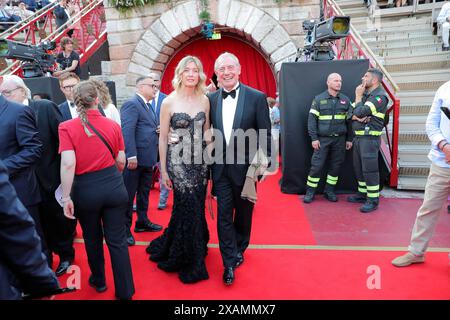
331,135
368,121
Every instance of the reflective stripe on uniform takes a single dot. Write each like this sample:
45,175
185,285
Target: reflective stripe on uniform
312,182
371,133
362,187
332,180
373,191
337,116
374,110
314,111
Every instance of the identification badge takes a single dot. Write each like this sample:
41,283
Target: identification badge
343,102
323,101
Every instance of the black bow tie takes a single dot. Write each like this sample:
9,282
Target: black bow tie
232,94
72,104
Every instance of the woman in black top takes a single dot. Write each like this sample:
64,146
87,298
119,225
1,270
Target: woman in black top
68,59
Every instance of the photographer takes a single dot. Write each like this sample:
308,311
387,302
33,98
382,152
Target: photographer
68,60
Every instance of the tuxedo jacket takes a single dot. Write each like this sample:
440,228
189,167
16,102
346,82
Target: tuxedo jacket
139,125
20,149
48,117
252,112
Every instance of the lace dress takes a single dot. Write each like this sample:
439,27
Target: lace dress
182,247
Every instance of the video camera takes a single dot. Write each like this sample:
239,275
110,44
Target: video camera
38,59
320,35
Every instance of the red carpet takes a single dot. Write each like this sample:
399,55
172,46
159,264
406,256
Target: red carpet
291,272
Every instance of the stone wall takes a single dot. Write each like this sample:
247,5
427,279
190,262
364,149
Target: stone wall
145,39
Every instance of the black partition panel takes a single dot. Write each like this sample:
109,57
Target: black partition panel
299,83
47,85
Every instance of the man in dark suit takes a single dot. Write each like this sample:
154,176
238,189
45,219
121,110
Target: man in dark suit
235,106
139,128
67,82
56,227
156,104
23,267
20,149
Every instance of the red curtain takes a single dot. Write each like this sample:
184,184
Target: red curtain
255,72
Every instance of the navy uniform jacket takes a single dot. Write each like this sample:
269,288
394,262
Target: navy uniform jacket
139,125
20,149
23,266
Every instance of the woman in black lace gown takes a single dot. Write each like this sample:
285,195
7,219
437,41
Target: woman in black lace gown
182,247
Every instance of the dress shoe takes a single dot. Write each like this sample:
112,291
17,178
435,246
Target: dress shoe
445,48
330,195
357,198
148,226
62,267
309,196
407,259
369,206
97,288
240,259
228,276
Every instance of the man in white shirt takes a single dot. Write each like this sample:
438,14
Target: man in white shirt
444,20
67,82
437,189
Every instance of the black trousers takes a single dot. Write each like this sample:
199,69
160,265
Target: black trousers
234,218
101,202
365,162
57,228
332,149
138,182
34,213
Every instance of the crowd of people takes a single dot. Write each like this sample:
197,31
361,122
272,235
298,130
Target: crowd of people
85,162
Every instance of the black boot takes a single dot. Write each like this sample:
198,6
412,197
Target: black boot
309,196
329,194
370,205
357,198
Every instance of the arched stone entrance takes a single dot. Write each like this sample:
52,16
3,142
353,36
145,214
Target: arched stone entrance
161,34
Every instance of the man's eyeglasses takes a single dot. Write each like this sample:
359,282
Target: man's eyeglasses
69,87
154,86
9,92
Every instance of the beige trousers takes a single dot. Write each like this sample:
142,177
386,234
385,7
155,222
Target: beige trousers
437,191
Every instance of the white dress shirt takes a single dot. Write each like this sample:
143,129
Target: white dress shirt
73,110
228,111
438,125
112,113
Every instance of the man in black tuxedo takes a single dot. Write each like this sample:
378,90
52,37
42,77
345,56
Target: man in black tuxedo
56,227
139,127
23,268
67,82
20,149
235,106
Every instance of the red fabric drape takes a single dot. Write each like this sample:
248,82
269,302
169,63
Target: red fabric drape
255,72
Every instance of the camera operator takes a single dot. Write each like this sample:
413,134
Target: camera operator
68,59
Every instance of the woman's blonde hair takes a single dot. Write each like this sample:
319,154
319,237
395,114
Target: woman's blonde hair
85,93
103,93
176,82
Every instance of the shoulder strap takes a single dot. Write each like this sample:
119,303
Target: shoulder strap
101,138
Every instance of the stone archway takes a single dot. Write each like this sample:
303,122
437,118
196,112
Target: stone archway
176,26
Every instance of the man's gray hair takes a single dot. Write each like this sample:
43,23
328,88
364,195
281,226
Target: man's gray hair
155,76
223,56
18,82
142,78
